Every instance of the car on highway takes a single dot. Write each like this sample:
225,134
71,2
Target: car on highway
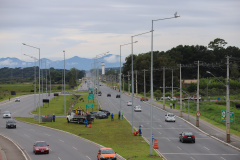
108,95
99,93
17,99
118,96
40,147
6,114
129,103
170,117
138,108
186,137
105,111
106,154
11,123
143,99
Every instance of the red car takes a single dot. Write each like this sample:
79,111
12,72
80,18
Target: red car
143,99
40,147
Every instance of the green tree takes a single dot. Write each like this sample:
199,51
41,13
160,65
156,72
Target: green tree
217,43
234,71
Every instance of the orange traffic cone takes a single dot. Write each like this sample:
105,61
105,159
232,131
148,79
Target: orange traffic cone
155,144
89,126
87,111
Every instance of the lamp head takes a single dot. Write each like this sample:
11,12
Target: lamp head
208,72
175,15
23,43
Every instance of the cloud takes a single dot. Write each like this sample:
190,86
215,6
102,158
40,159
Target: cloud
111,59
7,62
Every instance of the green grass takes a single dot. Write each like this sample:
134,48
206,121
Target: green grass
118,133
211,112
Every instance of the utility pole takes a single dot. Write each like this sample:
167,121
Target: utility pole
128,84
180,91
172,83
123,83
228,105
197,117
136,85
207,88
144,83
164,88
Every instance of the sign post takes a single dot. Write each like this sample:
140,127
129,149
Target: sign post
223,116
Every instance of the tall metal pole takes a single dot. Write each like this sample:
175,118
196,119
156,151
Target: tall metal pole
128,84
197,117
164,88
207,88
42,79
228,105
46,78
180,91
39,81
132,84
151,110
151,131
64,87
172,83
144,84
120,84
136,85
50,79
35,84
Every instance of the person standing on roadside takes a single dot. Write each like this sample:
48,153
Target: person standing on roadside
112,119
85,122
119,114
9,98
53,117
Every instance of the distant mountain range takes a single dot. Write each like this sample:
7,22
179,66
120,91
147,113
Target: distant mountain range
110,60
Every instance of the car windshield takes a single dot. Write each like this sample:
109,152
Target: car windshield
109,151
188,133
41,144
6,112
11,121
171,115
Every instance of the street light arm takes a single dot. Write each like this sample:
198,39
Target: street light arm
216,78
30,46
175,16
127,44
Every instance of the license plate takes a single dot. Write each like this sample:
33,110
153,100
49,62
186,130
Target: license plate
42,150
189,137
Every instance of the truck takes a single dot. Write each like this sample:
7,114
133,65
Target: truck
79,115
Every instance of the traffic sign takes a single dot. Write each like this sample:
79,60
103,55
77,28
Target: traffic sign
89,106
91,96
224,115
198,114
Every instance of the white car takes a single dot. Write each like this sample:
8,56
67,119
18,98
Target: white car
129,103
6,114
138,108
17,99
170,117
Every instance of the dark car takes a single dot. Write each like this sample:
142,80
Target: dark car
40,147
118,96
105,111
108,95
186,137
99,93
11,124
100,115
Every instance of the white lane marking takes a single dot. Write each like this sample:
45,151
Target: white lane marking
206,148
88,157
75,148
160,125
59,158
168,139
159,132
61,140
47,134
179,148
192,158
50,149
222,158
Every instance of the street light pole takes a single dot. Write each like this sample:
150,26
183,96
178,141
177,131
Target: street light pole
64,87
120,83
151,132
197,117
39,79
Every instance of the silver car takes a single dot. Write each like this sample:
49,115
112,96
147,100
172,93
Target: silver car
170,117
6,114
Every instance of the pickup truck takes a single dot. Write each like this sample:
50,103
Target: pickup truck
79,116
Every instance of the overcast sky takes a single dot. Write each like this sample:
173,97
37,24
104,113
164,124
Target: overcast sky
87,28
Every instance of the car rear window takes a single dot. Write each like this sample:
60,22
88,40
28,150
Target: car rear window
107,151
188,133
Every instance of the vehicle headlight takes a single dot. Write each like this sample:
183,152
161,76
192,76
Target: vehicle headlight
47,149
103,157
37,149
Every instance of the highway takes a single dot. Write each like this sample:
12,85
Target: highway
62,145
167,133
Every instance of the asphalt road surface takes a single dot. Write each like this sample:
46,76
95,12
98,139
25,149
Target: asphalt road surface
62,145
167,133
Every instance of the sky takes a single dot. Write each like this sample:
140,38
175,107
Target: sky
89,28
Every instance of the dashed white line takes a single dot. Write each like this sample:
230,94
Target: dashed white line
26,135
61,140
160,125
192,158
159,132
206,148
75,148
222,158
168,139
179,148
88,157
59,158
